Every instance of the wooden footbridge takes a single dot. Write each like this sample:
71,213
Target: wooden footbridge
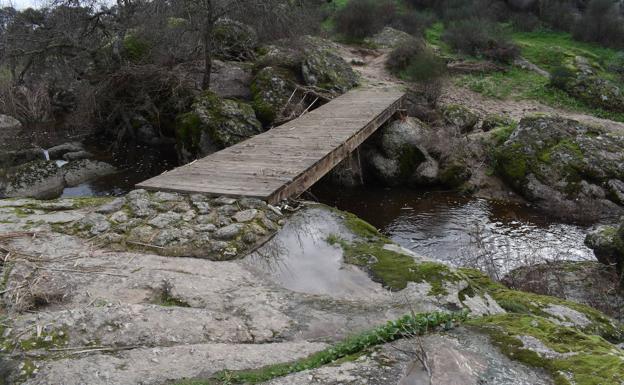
285,161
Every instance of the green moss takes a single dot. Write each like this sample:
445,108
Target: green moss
167,300
585,359
188,130
454,174
47,340
500,134
409,159
512,164
534,304
407,326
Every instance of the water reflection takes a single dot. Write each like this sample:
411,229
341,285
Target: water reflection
300,259
465,231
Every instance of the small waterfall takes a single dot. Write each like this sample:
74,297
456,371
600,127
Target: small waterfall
46,154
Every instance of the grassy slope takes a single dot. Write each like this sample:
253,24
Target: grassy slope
545,49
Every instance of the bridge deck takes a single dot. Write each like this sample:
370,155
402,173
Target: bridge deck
286,160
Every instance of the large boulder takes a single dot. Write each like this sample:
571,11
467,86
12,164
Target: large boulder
322,67
564,166
85,170
214,124
11,158
57,152
579,79
608,245
460,117
39,179
390,38
234,40
231,79
271,89
400,152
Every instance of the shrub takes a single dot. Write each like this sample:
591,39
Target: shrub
400,57
413,22
601,23
561,76
414,62
560,15
363,18
478,37
525,22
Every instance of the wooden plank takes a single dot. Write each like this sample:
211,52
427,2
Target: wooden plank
288,159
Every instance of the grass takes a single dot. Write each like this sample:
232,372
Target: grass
520,84
407,326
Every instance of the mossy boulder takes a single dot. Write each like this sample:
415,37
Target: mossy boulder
460,117
39,179
608,245
214,124
389,38
234,40
578,78
399,152
562,163
494,121
271,88
322,67
84,170
454,172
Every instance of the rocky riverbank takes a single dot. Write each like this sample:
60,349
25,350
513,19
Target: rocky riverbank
81,311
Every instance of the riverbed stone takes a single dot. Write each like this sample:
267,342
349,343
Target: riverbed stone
245,216
165,219
94,223
112,206
229,232
85,170
77,155
222,201
202,207
38,179
57,152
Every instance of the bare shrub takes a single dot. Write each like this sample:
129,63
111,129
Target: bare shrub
363,18
29,104
481,38
601,23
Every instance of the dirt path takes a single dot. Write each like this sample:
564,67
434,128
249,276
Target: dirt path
517,109
370,64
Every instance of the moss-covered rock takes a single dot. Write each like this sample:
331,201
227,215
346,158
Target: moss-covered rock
562,163
234,40
460,117
608,245
570,355
213,124
399,152
322,67
494,121
38,179
578,78
271,88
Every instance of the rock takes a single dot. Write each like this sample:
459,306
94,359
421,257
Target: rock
57,152
214,124
77,155
94,223
38,179
579,79
9,130
564,166
111,207
454,172
245,216
229,232
615,189
608,245
234,40
493,121
139,203
322,67
119,217
280,56
399,152
390,38
271,89
460,117
231,80
222,201
165,219
427,172
590,283
11,158
84,170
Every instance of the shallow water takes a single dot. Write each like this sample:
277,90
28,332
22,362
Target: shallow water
300,259
476,232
